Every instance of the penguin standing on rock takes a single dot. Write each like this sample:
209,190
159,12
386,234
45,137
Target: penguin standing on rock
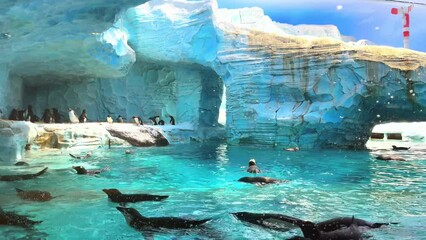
29,115
172,120
161,122
13,114
47,116
73,118
109,119
137,120
56,116
119,119
154,120
83,116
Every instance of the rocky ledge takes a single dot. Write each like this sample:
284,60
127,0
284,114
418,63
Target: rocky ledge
15,136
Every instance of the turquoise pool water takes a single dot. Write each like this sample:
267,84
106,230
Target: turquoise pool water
201,180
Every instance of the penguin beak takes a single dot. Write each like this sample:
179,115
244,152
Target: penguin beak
122,209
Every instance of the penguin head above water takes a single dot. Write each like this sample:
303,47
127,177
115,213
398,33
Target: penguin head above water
252,162
80,169
111,192
130,214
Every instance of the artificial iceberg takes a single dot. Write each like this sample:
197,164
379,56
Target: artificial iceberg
285,85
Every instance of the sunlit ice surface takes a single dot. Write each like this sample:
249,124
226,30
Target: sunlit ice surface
201,181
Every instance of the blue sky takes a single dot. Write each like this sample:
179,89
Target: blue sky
362,19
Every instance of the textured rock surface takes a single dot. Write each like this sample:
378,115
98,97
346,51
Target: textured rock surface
98,134
71,135
15,135
137,135
174,57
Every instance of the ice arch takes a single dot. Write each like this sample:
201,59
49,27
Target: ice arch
175,57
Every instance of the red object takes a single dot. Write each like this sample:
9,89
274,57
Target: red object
394,10
407,20
406,33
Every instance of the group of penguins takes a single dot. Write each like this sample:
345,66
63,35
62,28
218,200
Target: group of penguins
155,120
53,116
49,116
341,228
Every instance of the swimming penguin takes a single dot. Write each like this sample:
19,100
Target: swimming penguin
13,219
261,180
109,119
396,148
139,222
253,167
18,177
310,231
83,116
34,195
81,170
277,222
21,163
329,229
340,222
87,155
293,149
116,196
72,117
390,158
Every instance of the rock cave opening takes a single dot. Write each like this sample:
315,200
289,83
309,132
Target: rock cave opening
400,134
191,93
